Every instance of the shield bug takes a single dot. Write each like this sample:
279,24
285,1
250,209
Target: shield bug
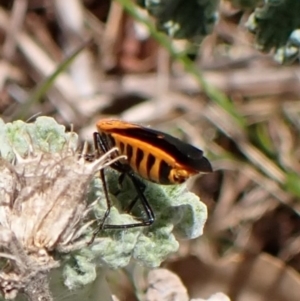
151,154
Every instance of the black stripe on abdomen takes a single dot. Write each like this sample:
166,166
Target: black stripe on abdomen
163,173
128,152
138,158
150,162
121,147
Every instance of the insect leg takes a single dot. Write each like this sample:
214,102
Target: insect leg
146,206
98,143
101,147
101,143
142,188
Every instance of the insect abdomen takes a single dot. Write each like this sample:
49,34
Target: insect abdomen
142,161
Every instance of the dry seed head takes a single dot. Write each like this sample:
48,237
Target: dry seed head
43,197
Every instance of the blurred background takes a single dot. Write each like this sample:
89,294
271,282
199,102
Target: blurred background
219,87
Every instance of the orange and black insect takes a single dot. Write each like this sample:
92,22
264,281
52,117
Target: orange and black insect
153,155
